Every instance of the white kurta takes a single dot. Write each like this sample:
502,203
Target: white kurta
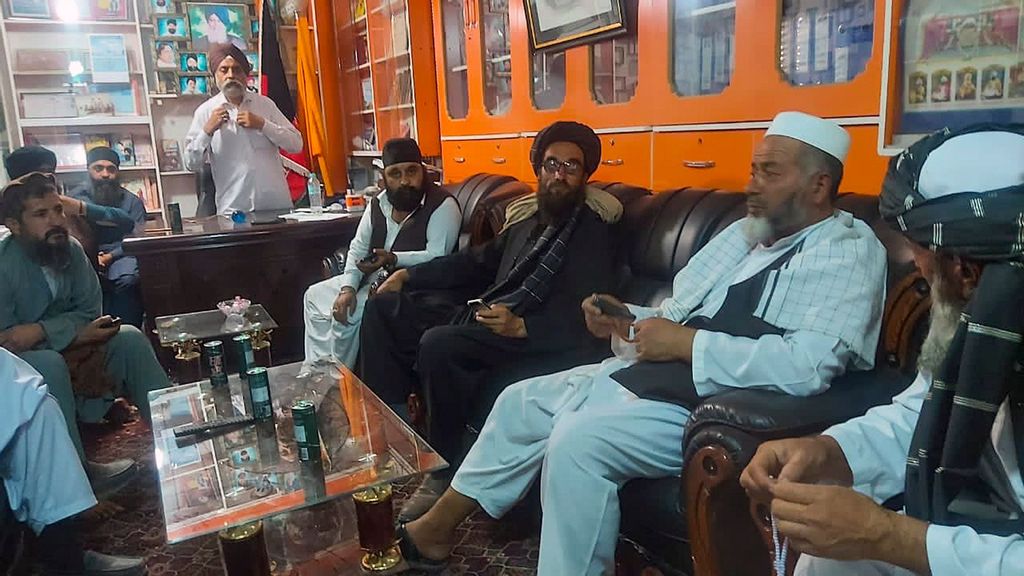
246,163
590,435
41,470
326,336
876,447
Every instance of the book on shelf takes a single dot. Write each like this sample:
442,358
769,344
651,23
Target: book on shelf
67,147
37,59
95,141
56,104
124,145
144,155
145,188
170,156
94,105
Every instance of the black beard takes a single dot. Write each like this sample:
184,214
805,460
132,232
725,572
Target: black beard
554,204
405,198
107,192
52,254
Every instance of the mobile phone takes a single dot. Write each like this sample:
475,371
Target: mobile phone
115,321
613,309
478,302
369,259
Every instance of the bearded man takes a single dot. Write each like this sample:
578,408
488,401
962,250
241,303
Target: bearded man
240,133
952,442
412,222
120,272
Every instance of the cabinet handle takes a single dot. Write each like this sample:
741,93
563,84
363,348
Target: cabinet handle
699,163
459,159
616,162
498,160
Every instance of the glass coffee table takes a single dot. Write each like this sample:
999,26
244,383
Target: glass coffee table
227,482
184,332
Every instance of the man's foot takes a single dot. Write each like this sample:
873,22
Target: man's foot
108,478
122,412
414,557
424,498
96,564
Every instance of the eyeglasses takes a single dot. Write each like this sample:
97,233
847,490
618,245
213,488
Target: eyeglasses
554,165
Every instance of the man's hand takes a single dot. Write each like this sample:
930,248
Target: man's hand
105,259
344,305
98,331
381,258
661,340
839,523
600,324
22,338
72,206
394,283
811,459
217,119
250,120
502,321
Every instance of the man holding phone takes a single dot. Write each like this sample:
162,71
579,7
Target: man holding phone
50,315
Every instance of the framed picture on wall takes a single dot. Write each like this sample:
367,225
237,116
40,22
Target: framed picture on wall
193,62
108,9
173,27
218,23
192,85
29,8
561,22
166,55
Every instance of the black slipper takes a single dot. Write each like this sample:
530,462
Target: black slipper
412,555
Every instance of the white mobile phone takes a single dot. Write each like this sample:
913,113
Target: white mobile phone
478,302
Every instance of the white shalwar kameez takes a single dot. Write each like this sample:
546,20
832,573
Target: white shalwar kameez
40,467
587,435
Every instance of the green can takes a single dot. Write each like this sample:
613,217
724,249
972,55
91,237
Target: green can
259,393
307,436
243,345
215,362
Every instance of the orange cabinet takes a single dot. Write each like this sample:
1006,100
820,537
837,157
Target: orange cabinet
717,159
463,158
864,168
625,157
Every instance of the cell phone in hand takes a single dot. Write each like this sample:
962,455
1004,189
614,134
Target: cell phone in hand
369,259
478,302
115,321
613,309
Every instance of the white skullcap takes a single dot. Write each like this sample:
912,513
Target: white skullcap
975,162
825,135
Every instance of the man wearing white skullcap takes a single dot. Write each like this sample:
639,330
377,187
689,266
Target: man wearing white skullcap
785,299
953,442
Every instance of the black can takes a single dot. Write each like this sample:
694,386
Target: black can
307,436
246,361
215,362
259,393
174,217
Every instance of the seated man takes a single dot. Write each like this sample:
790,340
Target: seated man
43,479
784,299
50,316
556,248
412,222
121,296
958,196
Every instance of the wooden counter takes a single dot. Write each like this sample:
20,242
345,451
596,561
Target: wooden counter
216,259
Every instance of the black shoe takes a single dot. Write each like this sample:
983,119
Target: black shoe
96,564
108,478
413,558
424,498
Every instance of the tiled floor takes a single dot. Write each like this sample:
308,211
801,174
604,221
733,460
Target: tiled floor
486,547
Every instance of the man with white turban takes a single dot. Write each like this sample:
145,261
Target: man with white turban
786,299
952,442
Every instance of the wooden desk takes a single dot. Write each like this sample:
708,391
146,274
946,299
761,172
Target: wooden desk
216,259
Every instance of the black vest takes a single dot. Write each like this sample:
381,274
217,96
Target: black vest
672,382
413,233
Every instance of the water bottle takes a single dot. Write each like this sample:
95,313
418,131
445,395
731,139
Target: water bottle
315,194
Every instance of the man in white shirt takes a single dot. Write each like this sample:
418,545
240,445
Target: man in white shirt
784,299
411,222
240,132
951,442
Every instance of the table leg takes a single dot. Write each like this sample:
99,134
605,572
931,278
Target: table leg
261,347
375,522
187,361
243,550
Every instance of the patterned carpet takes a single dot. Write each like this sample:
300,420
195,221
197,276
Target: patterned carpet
486,547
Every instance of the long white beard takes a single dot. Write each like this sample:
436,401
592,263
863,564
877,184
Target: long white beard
757,229
944,320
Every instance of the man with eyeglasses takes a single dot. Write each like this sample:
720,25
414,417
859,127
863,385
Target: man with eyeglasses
411,222
449,325
120,272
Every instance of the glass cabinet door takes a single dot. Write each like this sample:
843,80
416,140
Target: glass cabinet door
392,71
613,67
960,62
453,17
703,46
497,57
825,41
363,131
548,79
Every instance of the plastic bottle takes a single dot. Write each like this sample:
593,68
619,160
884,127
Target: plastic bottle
315,194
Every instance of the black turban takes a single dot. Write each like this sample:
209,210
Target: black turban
220,51
398,150
102,153
29,159
566,131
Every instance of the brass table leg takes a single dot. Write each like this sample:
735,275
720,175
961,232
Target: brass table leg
243,550
186,354
374,519
261,346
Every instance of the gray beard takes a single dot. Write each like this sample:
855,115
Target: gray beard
757,229
944,321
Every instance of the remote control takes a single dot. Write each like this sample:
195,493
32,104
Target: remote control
213,425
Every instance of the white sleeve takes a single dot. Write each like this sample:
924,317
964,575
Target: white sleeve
442,234
960,551
799,363
280,130
877,443
197,141
358,249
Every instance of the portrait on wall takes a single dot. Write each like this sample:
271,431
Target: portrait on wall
166,83
218,23
194,62
161,6
29,8
1016,86
917,89
192,85
558,22
171,27
993,81
108,9
941,85
972,33
166,55
254,60
967,84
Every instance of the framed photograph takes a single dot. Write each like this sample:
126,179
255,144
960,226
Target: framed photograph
166,83
255,27
967,84
109,9
166,55
1016,87
194,62
941,85
174,27
161,6
31,59
993,81
29,8
254,60
562,22
109,58
193,85
218,23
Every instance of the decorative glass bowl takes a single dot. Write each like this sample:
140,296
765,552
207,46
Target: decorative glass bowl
235,312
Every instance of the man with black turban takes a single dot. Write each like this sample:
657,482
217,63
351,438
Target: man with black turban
240,132
515,300
953,442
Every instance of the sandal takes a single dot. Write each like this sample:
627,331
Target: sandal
413,557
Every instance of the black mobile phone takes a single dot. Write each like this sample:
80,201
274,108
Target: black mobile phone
613,309
478,302
115,321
